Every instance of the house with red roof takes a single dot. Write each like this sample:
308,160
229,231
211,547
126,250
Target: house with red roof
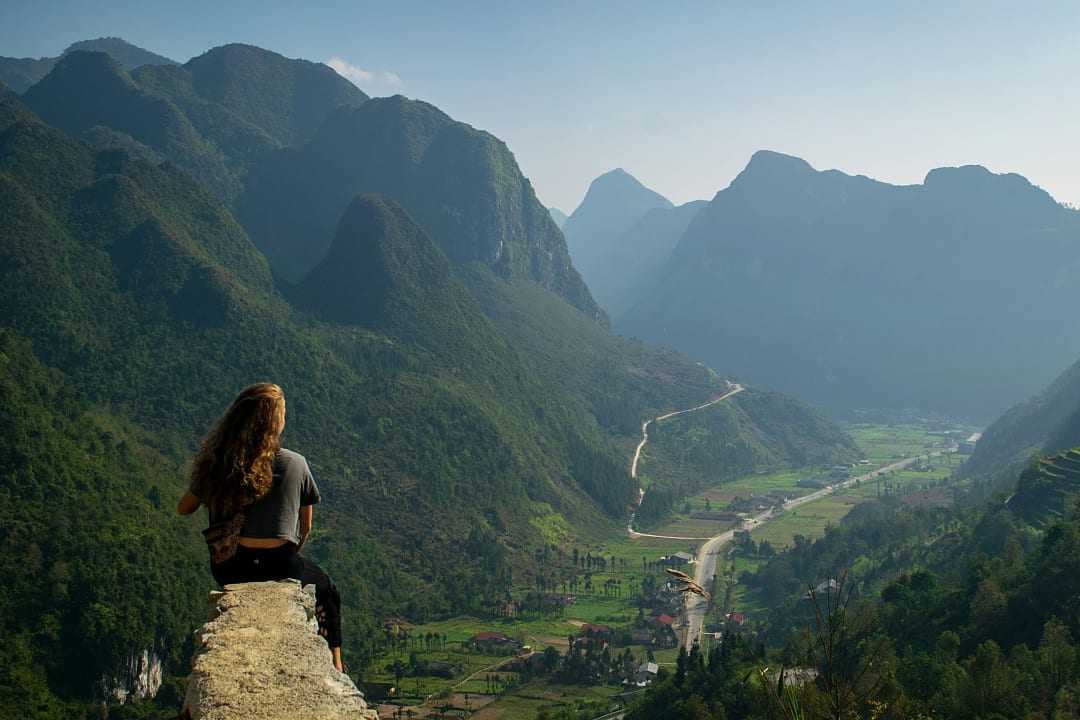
493,641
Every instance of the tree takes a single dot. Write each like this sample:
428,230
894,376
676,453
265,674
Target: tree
852,659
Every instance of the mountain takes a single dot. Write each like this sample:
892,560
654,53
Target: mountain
383,272
614,202
213,116
460,413
288,98
635,259
1045,424
89,90
21,73
950,296
461,184
1047,489
127,55
558,216
139,287
238,119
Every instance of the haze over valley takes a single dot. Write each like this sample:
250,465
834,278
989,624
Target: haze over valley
807,446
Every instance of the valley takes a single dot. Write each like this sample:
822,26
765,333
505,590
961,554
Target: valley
737,436
613,595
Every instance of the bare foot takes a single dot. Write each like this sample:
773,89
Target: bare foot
337,659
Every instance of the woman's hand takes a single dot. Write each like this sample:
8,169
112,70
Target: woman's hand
188,504
307,517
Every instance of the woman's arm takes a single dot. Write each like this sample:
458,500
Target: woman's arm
188,504
307,515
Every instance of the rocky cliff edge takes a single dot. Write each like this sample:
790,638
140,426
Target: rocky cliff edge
261,658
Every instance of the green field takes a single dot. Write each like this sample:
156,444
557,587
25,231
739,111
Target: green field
882,443
808,520
528,700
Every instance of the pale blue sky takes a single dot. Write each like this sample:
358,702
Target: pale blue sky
679,94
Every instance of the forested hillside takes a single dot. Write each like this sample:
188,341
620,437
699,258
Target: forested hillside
1045,424
752,431
953,296
449,377
460,183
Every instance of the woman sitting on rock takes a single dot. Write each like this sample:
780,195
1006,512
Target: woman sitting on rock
260,497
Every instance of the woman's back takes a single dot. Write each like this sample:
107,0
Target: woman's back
275,515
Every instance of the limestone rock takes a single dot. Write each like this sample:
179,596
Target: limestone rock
263,659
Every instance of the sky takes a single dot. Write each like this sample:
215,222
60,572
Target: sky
680,94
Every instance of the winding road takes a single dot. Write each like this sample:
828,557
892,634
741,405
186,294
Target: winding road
693,615
733,389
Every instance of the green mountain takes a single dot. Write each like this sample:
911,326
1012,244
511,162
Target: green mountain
1046,424
213,116
140,286
614,202
461,184
1048,488
89,90
21,73
288,98
381,269
459,412
949,296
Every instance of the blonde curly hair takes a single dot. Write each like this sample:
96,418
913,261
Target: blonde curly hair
235,465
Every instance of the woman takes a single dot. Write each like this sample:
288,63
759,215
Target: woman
242,468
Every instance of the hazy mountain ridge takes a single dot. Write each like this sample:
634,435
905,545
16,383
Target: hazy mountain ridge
856,293
637,258
21,73
612,204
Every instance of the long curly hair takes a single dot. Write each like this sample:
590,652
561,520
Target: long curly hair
235,465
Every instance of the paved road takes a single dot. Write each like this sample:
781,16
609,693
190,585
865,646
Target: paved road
693,616
735,388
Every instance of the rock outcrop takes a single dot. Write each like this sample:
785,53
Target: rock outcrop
263,659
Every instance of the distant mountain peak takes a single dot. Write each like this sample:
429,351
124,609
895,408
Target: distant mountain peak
769,163
620,187
83,69
128,55
975,183
973,174
22,73
619,178
958,173
614,202
288,98
616,173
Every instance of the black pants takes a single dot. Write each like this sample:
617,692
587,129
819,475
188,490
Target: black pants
257,565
